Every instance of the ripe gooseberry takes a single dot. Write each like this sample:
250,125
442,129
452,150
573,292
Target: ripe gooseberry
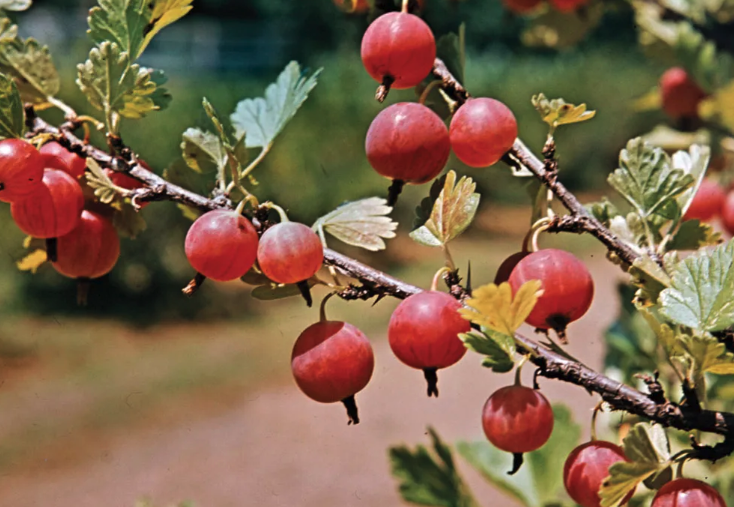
290,252
21,170
423,333
221,245
482,131
688,493
56,156
586,468
680,93
567,5
521,6
568,288
408,143
332,361
727,213
89,251
398,50
53,210
517,419
707,201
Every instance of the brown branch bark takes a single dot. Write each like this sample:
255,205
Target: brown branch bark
374,283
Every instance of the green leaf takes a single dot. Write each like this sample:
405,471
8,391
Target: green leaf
203,151
429,478
128,222
132,24
604,211
263,118
15,5
12,117
452,212
558,112
362,223
702,292
104,189
32,261
29,64
650,278
646,178
694,234
672,344
498,348
648,450
113,85
540,482
271,292
450,49
709,355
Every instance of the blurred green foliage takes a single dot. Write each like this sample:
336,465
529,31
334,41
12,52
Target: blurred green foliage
319,160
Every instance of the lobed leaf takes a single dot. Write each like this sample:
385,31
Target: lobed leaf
132,24
558,112
203,151
104,189
646,178
496,308
452,212
12,117
693,162
263,118
429,478
362,223
701,295
498,349
693,235
650,279
709,355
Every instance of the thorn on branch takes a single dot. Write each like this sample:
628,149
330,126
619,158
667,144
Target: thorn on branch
656,392
690,401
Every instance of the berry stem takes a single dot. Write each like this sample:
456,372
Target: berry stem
541,225
599,408
405,6
322,308
441,272
427,91
431,375
281,212
351,404
394,191
52,253
82,291
518,371
305,289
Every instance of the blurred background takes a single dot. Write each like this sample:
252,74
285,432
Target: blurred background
145,392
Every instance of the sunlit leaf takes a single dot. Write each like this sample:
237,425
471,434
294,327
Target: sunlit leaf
495,307
361,223
12,118
650,278
32,261
709,354
263,118
701,295
453,211
104,188
694,234
557,112
498,349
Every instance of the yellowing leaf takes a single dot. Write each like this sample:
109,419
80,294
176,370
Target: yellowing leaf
494,306
32,261
557,112
104,189
453,211
709,355
165,12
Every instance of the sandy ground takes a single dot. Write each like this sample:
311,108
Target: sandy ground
275,448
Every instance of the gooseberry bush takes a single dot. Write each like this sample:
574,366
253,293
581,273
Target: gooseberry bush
670,354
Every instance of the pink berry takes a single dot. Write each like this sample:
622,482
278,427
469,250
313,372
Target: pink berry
482,131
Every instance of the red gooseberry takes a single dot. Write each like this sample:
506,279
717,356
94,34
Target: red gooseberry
727,213
568,288
423,333
331,362
89,251
707,202
290,252
221,245
398,50
680,93
567,5
521,6
53,210
482,131
21,170
56,156
517,419
408,142
688,493
505,269
586,468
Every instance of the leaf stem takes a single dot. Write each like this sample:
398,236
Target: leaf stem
322,308
599,408
69,113
405,5
449,259
444,270
281,212
251,167
428,90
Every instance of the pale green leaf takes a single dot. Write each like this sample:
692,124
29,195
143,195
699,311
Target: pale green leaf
702,292
12,118
132,24
694,234
671,343
429,478
32,261
29,64
539,483
693,162
651,280
646,178
709,355
498,349
263,118
112,84
556,112
203,151
104,189
15,5
453,211
362,223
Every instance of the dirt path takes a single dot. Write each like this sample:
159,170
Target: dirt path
275,448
